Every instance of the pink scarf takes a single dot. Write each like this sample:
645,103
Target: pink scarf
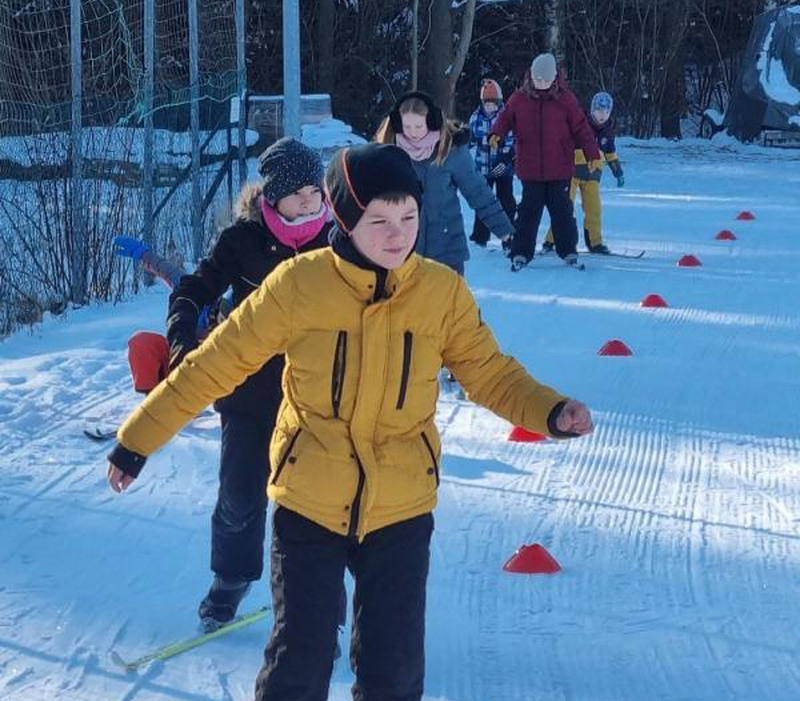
299,232
419,150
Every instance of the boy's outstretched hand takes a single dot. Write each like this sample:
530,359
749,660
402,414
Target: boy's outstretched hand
575,418
120,481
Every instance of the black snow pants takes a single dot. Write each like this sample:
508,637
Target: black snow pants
237,525
504,187
390,569
536,195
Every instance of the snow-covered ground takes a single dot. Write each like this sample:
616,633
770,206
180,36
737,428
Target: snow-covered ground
677,523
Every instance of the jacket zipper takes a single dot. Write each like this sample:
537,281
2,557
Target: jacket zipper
433,456
355,507
285,457
408,339
541,138
337,374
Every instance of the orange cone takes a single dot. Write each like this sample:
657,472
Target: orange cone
523,435
745,215
689,261
725,235
653,300
532,559
614,347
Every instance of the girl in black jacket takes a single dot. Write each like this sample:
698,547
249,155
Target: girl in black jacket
284,216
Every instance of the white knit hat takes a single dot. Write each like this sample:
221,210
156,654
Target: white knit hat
544,67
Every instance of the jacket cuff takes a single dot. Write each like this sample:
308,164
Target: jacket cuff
551,422
129,462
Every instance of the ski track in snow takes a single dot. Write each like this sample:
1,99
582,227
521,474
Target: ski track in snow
677,523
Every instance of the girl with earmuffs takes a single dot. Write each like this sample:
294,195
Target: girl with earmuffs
439,151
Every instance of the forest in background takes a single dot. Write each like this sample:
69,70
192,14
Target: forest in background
664,61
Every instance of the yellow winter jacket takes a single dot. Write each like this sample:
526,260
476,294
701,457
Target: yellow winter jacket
355,446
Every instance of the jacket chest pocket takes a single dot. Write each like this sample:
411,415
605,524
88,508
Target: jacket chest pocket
405,371
338,371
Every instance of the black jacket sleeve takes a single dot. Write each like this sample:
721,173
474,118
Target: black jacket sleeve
195,291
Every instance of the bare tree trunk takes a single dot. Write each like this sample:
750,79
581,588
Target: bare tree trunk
555,15
439,52
672,30
415,45
445,63
460,57
326,19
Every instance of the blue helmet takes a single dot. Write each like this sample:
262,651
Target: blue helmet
602,101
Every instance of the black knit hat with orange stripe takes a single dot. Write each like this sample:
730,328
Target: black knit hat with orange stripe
359,174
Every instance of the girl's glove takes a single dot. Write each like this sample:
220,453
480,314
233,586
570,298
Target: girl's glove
499,170
130,248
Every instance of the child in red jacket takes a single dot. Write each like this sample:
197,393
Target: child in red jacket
548,124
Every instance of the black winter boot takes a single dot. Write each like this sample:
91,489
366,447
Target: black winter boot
220,604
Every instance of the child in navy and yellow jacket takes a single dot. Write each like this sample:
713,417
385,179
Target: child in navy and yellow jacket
599,117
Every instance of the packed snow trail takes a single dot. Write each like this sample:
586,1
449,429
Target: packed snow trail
677,523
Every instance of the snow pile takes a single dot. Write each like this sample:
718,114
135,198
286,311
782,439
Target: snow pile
773,76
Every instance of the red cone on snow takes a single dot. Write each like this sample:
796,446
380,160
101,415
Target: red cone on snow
532,559
689,261
614,347
654,300
725,235
522,435
745,215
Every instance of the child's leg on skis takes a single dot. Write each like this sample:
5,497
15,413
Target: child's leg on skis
238,522
308,563
480,232
505,193
390,568
528,219
592,216
560,207
549,241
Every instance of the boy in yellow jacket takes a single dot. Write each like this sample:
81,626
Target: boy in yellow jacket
588,182
355,454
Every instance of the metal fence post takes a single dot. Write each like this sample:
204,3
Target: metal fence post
241,89
291,68
77,272
194,80
147,174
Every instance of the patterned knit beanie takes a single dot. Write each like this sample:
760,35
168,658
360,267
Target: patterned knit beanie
287,166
